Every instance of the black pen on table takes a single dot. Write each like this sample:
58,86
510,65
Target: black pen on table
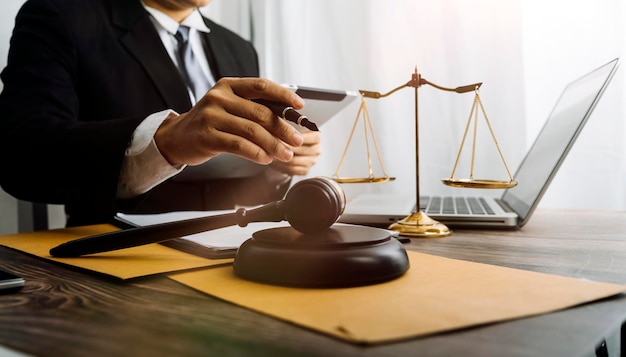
288,113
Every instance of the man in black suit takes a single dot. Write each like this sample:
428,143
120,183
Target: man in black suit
89,113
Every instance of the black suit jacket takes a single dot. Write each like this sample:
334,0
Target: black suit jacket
81,75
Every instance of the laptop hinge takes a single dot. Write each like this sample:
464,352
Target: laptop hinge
504,206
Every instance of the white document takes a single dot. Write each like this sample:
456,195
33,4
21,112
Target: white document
216,243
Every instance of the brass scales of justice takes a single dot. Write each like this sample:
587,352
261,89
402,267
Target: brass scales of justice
418,224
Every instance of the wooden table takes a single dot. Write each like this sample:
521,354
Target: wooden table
67,312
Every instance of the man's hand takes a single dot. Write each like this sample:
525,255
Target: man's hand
226,120
305,156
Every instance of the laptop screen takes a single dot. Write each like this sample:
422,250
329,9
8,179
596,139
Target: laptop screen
555,140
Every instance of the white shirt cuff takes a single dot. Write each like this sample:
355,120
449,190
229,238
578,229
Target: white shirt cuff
144,167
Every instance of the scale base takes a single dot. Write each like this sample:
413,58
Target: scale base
419,225
342,256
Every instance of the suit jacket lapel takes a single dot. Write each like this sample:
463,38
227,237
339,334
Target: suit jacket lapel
219,53
211,58
140,38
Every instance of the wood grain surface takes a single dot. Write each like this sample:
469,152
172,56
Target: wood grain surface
63,311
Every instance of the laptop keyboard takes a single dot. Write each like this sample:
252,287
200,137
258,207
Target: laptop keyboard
455,205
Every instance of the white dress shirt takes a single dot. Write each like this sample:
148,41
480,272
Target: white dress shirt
144,167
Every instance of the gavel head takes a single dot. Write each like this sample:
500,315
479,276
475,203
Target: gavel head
313,205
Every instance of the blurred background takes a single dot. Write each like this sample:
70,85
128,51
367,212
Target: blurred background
524,52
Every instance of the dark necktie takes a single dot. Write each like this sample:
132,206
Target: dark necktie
189,65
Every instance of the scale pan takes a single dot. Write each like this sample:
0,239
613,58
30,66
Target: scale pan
473,183
363,179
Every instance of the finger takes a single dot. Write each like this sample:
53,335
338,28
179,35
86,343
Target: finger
202,133
307,150
243,108
247,138
254,88
259,88
296,166
311,137
239,146
279,127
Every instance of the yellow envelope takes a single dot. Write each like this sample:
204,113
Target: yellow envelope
125,263
436,294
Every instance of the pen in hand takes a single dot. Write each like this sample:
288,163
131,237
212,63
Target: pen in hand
288,113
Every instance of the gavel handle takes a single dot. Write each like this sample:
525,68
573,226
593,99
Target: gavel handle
156,233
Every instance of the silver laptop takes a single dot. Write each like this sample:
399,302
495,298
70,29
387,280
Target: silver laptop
515,207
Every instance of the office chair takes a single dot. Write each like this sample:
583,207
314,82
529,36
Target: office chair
31,216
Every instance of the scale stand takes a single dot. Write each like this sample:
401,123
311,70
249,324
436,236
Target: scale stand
418,224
